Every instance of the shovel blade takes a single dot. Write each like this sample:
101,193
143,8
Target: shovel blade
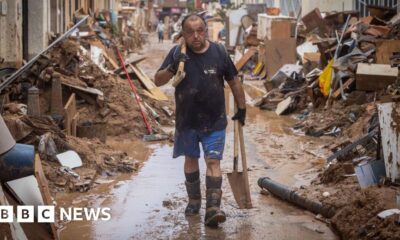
237,182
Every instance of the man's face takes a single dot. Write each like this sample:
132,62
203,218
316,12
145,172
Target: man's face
194,33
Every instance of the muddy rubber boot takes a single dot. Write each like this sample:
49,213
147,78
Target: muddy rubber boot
214,215
194,194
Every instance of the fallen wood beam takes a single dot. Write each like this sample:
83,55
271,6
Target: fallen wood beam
69,113
155,91
128,62
44,189
345,85
243,60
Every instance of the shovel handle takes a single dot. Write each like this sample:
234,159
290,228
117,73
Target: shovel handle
244,165
235,143
180,74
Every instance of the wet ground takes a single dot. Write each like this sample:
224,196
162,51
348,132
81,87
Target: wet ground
150,204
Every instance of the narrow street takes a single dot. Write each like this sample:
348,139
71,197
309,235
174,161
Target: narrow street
150,204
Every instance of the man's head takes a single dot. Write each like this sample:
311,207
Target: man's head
194,32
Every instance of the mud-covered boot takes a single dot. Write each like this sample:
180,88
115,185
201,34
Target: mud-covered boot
214,214
194,194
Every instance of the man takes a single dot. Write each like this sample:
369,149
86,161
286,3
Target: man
200,112
160,31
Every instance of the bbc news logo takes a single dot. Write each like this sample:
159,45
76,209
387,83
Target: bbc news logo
46,214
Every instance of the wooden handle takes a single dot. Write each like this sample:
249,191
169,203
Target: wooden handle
235,143
244,165
180,74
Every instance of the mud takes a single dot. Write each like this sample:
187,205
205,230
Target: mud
150,204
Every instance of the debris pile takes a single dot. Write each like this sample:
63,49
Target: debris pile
345,87
73,97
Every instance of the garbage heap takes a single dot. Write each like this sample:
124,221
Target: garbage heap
75,95
337,74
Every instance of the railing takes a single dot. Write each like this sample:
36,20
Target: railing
361,5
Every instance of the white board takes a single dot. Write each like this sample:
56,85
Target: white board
27,190
389,122
69,159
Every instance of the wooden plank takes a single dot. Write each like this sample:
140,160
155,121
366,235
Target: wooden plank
384,50
132,61
345,85
388,123
243,60
108,58
156,93
69,113
74,123
44,189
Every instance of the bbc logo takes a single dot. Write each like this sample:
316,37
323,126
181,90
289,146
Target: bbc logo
26,214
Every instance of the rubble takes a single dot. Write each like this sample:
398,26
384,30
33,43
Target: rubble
345,67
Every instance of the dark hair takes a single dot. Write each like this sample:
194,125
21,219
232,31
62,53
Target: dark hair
192,15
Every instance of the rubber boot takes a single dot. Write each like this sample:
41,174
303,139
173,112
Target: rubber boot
194,194
214,215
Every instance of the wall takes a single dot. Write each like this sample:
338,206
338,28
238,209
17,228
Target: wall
38,26
11,34
326,5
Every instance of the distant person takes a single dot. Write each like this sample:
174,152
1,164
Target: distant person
160,31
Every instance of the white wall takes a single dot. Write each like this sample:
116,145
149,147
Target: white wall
11,34
326,5
38,26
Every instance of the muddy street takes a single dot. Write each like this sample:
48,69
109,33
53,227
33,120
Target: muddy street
150,204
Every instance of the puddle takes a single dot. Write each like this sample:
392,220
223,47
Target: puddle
150,204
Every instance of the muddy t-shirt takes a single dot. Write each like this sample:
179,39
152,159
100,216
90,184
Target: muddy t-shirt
199,97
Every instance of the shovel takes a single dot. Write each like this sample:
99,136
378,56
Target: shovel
239,181
180,74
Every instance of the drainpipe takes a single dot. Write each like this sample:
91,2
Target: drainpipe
292,196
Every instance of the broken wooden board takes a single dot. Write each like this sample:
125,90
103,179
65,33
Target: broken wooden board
74,123
155,92
278,53
345,86
69,113
388,122
283,106
44,189
372,77
132,61
385,49
93,91
246,56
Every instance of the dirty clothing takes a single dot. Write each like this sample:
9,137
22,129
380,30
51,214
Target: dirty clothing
187,144
199,98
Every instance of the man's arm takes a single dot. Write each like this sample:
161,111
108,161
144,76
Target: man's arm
238,93
162,77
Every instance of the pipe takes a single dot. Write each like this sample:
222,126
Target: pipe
16,74
292,196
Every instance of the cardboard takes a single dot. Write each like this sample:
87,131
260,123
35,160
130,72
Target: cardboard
385,49
276,55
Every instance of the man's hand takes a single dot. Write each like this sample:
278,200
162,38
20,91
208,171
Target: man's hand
173,68
240,115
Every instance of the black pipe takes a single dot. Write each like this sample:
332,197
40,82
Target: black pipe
292,196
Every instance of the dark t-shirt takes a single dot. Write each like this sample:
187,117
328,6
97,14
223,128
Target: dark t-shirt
199,98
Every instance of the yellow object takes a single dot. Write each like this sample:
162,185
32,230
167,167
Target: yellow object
258,68
325,79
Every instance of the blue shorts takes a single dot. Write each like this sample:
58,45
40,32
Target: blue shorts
187,144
